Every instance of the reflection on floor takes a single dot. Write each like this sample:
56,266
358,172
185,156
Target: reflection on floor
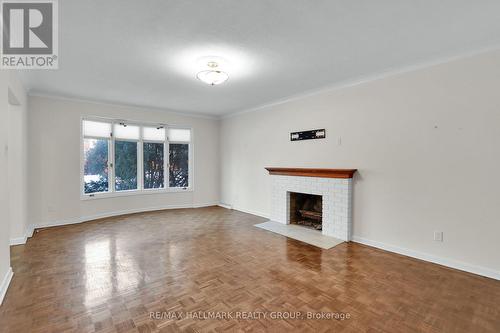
132,273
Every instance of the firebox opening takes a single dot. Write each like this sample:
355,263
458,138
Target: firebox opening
306,210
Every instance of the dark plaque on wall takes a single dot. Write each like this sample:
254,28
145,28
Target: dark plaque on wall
308,135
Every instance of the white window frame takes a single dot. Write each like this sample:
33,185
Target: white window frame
165,162
138,142
190,159
111,193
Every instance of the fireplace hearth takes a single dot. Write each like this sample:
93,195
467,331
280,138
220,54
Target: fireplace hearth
306,210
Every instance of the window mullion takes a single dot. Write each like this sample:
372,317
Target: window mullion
82,161
166,163
111,158
190,166
140,164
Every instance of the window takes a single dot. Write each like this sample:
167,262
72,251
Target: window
154,176
179,135
96,137
134,158
96,165
178,165
126,131
125,165
126,140
178,159
154,161
154,133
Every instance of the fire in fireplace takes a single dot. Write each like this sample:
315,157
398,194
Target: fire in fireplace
306,210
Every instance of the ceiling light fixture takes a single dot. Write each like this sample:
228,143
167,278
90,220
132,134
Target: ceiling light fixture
213,75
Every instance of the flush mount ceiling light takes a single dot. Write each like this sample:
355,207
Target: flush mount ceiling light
213,75
192,61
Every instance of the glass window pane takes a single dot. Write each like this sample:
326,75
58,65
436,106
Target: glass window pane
95,175
125,165
179,135
179,164
96,129
128,132
153,165
153,134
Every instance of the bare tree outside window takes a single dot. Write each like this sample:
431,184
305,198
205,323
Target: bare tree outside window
95,176
125,165
179,165
153,165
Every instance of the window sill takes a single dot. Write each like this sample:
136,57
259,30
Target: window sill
133,193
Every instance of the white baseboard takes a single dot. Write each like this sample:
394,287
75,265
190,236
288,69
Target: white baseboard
5,284
82,219
220,204
22,240
30,230
430,258
18,241
253,212
208,204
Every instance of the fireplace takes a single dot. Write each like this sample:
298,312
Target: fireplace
306,210
333,186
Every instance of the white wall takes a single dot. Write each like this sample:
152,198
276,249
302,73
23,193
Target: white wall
426,144
54,171
18,160
4,203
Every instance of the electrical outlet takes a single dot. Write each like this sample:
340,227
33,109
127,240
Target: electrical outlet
438,236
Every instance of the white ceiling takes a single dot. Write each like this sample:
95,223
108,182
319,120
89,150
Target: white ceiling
145,52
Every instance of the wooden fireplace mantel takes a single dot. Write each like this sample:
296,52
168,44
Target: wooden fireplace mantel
303,172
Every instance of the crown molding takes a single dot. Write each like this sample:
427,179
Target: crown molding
34,93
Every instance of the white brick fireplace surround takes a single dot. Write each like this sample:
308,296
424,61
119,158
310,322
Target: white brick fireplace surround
335,187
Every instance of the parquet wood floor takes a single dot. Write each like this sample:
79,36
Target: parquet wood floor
108,275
